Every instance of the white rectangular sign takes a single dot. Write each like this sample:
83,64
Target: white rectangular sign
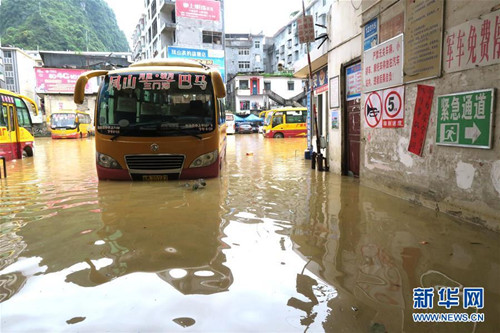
383,65
472,44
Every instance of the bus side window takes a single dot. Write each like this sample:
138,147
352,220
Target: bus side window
23,116
3,116
277,120
222,112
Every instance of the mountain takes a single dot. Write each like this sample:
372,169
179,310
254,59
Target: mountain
56,25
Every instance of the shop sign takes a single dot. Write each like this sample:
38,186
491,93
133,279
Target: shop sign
61,81
465,119
198,9
211,58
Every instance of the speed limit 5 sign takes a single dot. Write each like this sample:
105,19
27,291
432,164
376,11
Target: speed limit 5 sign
394,110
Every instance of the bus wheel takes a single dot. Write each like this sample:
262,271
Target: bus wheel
27,152
278,136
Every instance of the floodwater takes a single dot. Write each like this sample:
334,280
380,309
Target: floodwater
270,246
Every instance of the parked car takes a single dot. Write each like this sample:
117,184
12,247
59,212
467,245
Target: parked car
245,128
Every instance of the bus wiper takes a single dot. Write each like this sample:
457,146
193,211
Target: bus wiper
129,127
186,132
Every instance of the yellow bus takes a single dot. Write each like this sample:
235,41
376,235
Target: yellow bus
16,129
285,123
69,124
158,119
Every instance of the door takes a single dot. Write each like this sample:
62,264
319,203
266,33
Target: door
14,133
353,136
352,127
255,89
8,133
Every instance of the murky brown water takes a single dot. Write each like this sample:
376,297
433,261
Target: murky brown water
271,246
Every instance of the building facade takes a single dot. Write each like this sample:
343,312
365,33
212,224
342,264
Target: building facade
245,53
411,106
19,74
171,29
3,85
253,92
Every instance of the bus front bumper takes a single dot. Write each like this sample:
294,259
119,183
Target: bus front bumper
210,171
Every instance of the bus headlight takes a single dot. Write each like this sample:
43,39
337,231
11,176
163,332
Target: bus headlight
205,159
107,161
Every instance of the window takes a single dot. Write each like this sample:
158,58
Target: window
296,40
267,85
3,116
291,85
244,85
9,80
289,29
257,58
8,68
243,51
244,105
289,43
257,44
289,58
296,55
243,65
7,54
212,37
295,117
23,116
155,28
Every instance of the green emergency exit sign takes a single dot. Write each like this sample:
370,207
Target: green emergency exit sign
465,119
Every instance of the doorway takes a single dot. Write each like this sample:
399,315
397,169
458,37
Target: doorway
352,115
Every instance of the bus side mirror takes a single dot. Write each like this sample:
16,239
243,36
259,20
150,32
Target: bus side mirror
220,90
79,95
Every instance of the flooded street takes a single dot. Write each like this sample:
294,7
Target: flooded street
270,246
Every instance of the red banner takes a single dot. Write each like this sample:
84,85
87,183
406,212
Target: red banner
421,115
198,9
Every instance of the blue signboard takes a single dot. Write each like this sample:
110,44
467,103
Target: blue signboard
308,122
371,34
212,58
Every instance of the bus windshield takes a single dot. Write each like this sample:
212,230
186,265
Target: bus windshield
267,120
151,104
63,120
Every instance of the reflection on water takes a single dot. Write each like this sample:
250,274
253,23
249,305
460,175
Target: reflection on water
270,246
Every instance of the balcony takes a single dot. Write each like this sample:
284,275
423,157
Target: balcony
167,5
167,26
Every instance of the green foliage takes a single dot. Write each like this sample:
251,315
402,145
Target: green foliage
55,25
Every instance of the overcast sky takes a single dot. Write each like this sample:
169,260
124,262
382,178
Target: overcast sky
241,16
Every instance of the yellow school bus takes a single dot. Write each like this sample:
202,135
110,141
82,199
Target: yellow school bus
70,124
16,129
157,120
285,123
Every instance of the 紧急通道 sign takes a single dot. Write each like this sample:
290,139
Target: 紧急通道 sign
465,119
